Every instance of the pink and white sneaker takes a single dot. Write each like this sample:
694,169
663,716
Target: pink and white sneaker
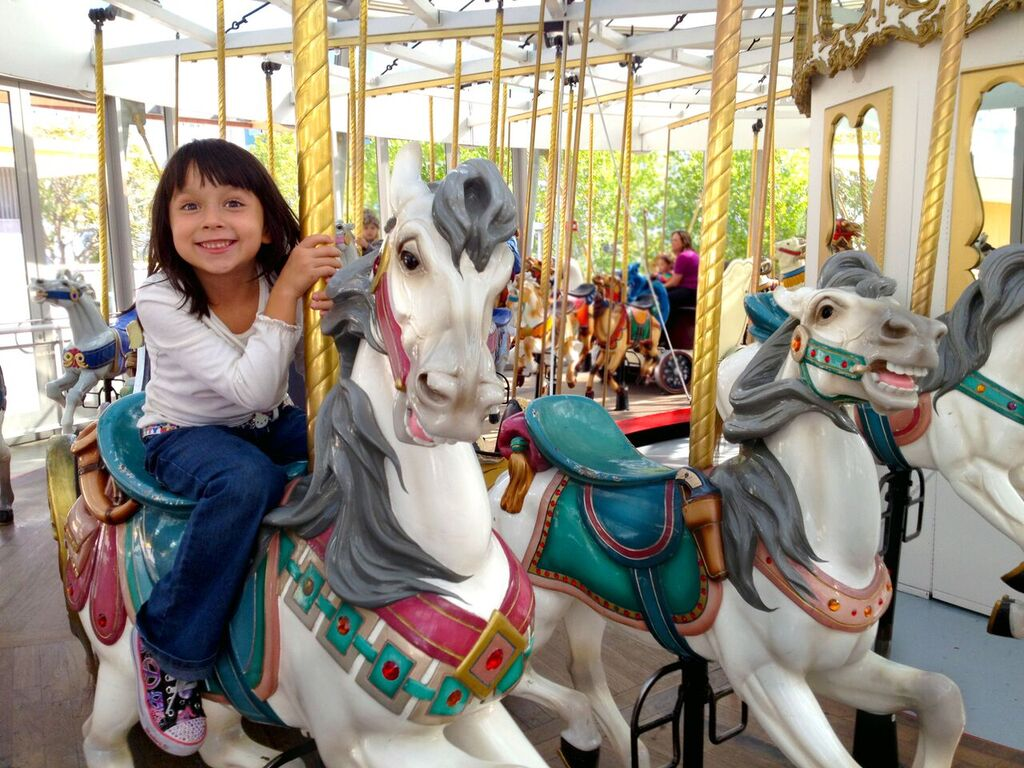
170,710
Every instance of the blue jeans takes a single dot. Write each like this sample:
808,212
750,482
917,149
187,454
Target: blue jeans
236,476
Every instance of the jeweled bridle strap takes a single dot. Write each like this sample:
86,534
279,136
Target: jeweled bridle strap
835,360
993,395
390,331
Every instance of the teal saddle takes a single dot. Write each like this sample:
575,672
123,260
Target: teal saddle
150,545
613,524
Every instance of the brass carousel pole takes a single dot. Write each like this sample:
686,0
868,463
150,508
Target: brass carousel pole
664,203
316,209
269,68
359,197
98,16
863,185
353,108
953,23
715,205
222,108
492,146
455,107
501,138
564,256
551,200
768,162
752,213
430,120
590,205
524,230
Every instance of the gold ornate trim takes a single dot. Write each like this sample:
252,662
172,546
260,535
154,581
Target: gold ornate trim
854,112
828,32
897,22
969,220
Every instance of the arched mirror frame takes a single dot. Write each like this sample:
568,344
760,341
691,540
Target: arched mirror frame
854,112
969,214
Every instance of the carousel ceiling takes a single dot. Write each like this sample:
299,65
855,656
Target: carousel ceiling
150,46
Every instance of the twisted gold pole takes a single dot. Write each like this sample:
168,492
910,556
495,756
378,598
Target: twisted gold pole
101,172
316,210
501,139
499,19
664,202
360,190
863,185
752,214
222,99
353,107
271,165
550,222
627,167
526,240
590,204
177,99
564,255
715,207
771,207
430,120
762,171
938,155
455,106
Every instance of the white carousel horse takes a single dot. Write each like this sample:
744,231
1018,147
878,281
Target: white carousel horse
98,351
789,255
405,620
801,499
6,494
970,423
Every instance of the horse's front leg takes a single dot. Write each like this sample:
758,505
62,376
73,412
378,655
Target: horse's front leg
227,745
55,389
875,684
86,381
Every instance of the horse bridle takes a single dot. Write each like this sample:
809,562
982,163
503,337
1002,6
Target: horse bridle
808,351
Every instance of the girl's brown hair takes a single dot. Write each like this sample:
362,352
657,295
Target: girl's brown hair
220,163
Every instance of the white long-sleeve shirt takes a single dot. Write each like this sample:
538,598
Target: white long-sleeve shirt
202,372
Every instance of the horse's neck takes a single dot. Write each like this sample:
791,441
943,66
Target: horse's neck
1005,364
837,484
85,319
443,505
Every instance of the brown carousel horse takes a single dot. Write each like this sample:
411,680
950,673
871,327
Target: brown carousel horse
617,328
533,328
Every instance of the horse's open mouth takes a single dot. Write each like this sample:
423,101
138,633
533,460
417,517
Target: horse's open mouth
39,296
895,377
415,429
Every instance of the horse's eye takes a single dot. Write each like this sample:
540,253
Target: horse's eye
409,260
826,311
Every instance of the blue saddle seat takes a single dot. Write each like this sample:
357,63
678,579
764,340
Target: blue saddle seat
579,437
124,455
765,315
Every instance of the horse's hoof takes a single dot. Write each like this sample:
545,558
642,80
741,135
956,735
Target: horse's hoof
573,757
572,384
6,516
589,393
622,400
1015,578
999,620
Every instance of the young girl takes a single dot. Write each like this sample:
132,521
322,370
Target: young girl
662,268
219,310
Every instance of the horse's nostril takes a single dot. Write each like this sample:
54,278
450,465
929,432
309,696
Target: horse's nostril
436,388
897,328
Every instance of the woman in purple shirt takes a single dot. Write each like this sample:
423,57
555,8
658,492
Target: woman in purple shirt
682,285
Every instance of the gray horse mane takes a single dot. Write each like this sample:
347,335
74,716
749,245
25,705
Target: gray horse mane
994,298
371,561
759,500
474,211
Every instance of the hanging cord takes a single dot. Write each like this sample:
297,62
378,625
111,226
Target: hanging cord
269,68
455,107
98,16
236,25
526,236
222,99
499,26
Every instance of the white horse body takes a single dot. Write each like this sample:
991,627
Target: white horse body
776,662
439,502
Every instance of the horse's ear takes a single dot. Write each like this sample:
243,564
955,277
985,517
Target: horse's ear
793,301
406,182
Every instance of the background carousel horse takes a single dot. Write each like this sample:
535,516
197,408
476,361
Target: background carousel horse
532,330
616,328
789,256
969,424
6,493
796,616
392,633
98,351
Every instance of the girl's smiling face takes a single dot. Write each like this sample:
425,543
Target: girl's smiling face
217,229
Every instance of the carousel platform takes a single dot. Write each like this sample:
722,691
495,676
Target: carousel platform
46,693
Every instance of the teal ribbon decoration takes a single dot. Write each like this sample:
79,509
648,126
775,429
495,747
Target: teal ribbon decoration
994,396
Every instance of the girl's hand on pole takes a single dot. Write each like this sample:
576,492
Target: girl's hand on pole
320,302
314,258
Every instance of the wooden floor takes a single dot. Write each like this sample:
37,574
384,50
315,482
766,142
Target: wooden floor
45,693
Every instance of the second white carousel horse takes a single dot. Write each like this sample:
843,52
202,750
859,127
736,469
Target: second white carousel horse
796,616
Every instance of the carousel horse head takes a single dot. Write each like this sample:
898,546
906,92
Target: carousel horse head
64,290
843,235
434,283
854,347
790,253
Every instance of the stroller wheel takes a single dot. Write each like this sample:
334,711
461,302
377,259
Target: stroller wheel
673,372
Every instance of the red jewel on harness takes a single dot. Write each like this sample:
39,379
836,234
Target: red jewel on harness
454,698
389,670
344,625
495,659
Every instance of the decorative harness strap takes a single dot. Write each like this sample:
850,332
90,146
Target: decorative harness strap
834,604
993,395
835,360
389,328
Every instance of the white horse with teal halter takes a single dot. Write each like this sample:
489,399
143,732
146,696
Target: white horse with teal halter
801,522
